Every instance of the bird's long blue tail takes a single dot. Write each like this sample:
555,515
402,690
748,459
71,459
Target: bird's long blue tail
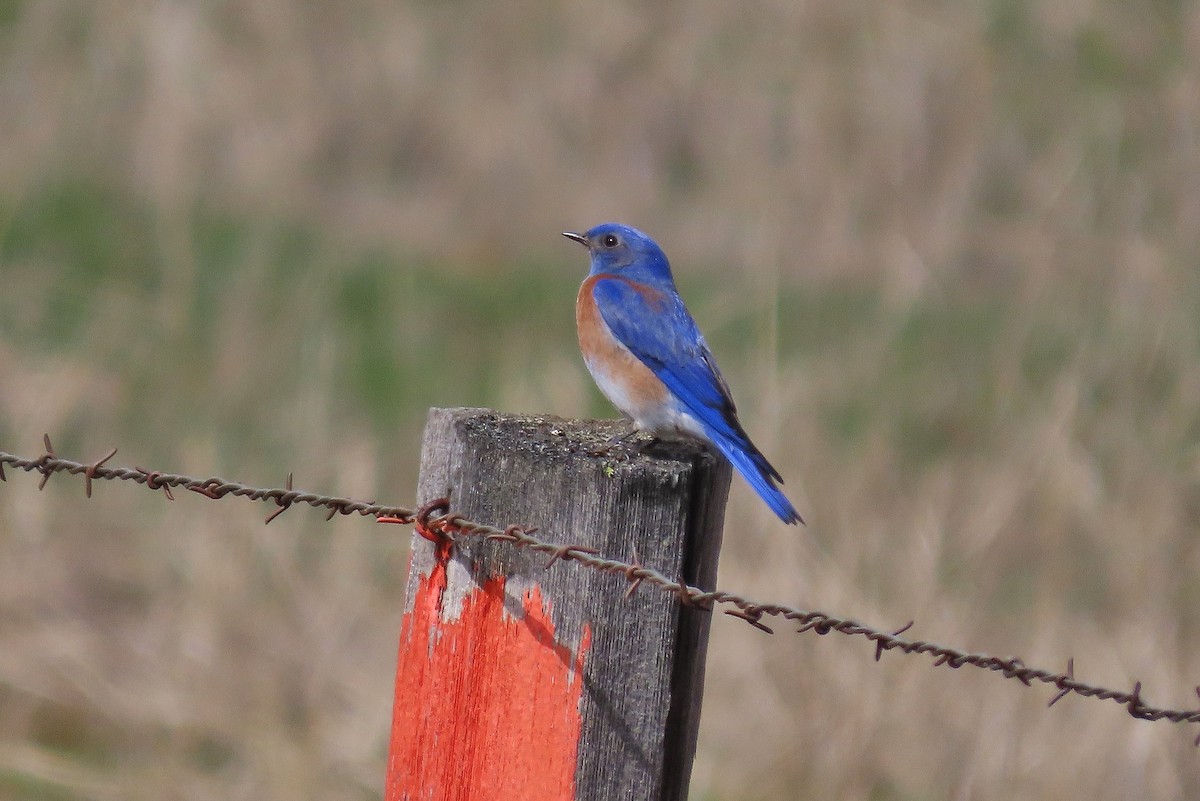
758,473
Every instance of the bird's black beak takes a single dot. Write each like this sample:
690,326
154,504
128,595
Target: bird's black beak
580,238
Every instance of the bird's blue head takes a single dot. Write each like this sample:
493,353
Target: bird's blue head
618,248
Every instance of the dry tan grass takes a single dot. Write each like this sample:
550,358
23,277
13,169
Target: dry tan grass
946,253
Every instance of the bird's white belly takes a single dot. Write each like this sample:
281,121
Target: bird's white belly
662,415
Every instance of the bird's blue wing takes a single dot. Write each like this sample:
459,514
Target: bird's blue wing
658,330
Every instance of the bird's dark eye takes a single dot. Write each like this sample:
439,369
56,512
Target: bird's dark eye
609,240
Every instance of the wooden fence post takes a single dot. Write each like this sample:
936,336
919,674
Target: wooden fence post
519,682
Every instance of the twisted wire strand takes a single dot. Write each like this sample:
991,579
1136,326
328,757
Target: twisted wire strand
448,525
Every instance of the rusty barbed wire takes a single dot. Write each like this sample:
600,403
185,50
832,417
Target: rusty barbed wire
437,522
49,463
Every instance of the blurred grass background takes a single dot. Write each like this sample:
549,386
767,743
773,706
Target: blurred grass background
946,253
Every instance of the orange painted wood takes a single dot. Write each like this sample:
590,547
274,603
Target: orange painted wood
485,671
515,682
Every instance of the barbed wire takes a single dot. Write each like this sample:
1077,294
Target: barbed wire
435,521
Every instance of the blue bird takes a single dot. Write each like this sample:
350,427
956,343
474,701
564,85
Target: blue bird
646,354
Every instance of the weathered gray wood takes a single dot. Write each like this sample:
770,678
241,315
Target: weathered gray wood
663,501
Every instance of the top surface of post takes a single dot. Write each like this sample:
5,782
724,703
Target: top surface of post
554,437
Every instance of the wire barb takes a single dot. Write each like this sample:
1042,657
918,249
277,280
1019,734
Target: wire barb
47,457
1062,684
882,644
1135,701
633,575
153,481
90,473
754,618
284,501
564,552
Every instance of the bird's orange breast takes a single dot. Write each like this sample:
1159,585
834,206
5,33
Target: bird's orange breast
630,385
